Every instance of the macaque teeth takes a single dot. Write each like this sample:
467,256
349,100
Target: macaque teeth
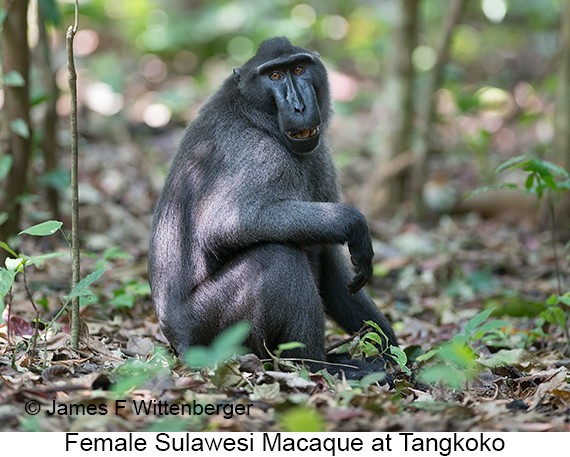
304,134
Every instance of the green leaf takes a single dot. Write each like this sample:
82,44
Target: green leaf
86,282
43,229
555,316
458,354
6,281
5,166
538,166
123,301
529,181
515,162
39,260
7,248
3,14
477,335
87,298
57,178
493,325
477,320
230,341
20,127
559,316
555,169
379,330
372,378
552,300
443,373
401,358
428,355
461,338
372,336
505,185
197,357
565,299
14,79
373,325
369,349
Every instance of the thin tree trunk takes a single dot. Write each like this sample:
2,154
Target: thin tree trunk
562,113
427,111
15,141
399,98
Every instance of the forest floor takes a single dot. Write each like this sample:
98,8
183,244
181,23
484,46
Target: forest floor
506,371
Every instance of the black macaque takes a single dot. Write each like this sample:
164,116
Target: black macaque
249,225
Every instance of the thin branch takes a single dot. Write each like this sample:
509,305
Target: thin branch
75,254
76,17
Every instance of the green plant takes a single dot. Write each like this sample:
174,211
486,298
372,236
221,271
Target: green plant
376,344
18,263
455,364
547,181
126,295
112,253
455,361
553,314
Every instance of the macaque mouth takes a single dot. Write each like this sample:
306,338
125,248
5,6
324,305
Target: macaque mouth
304,133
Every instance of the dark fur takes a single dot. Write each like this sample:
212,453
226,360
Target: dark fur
246,229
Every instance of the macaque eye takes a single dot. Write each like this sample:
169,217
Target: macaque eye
299,69
276,75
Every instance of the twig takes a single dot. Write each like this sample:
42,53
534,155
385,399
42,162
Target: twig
323,362
9,297
276,360
75,255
